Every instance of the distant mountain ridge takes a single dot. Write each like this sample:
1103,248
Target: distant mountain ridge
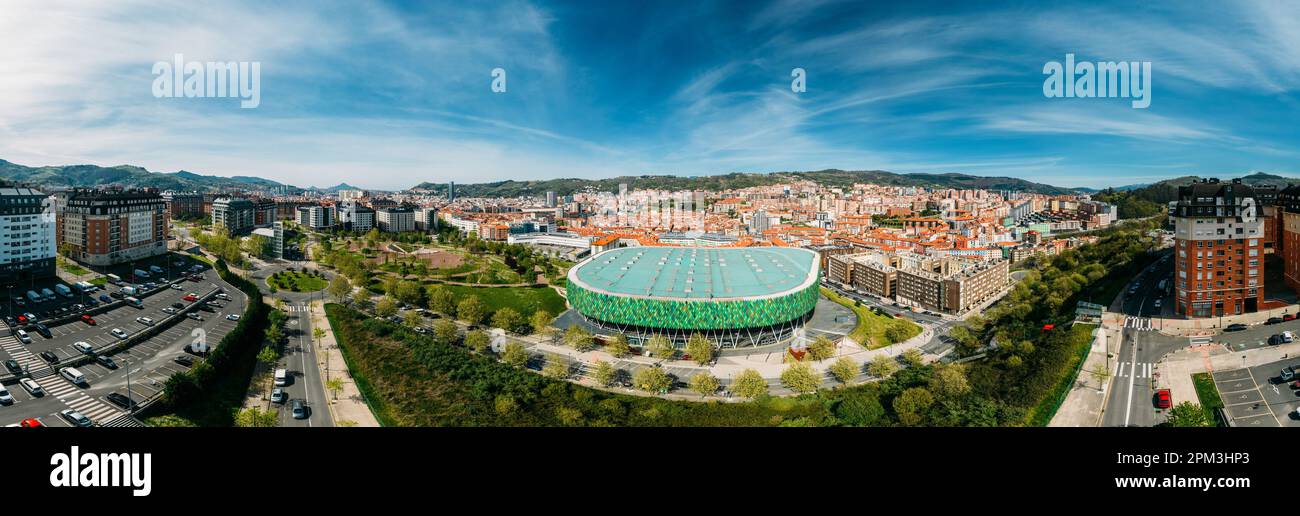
126,175
829,177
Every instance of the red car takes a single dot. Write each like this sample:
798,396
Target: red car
1163,400
22,319
31,423
86,318
1288,317
190,299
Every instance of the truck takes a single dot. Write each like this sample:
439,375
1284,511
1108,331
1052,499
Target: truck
85,286
155,269
114,279
63,290
33,296
136,302
141,274
130,291
48,294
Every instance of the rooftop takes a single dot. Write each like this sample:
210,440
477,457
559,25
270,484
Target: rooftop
698,273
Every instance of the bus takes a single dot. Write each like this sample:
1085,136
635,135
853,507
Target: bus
114,279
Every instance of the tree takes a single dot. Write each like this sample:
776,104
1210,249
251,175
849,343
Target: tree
507,319
896,333
386,307
859,408
515,354
410,292
913,357
911,405
339,288
478,341
441,300
578,338
256,417
556,367
749,383
705,384
1187,414
412,319
700,348
618,346
361,299
335,385
318,333
845,370
660,347
822,348
949,381
446,331
605,373
1100,373
964,337
471,310
801,378
882,366
540,320
652,379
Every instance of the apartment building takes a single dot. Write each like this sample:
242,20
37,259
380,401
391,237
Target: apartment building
27,234
356,217
183,204
395,220
235,214
316,217
1218,238
111,226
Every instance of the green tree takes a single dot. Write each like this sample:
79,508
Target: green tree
540,321
478,341
705,384
660,347
949,381
800,377
913,357
412,319
386,307
441,300
651,379
845,370
446,331
605,373
410,292
506,405
912,404
556,367
1101,373
256,417
471,310
1187,414
335,385
515,354
361,299
749,383
618,346
859,408
507,319
578,338
896,333
882,366
339,288
821,348
700,348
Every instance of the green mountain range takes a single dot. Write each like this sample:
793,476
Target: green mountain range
831,178
124,175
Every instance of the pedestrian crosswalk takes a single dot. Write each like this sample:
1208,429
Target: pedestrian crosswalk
1136,370
123,420
1138,323
19,352
76,399
297,308
1200,341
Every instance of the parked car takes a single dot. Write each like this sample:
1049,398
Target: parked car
49,356
278,395
177,286
1235,327
13,367
299,409
76,418
84,347
178,306
1274,339
105,298
5,397
119,333
86,318
1273,320
32,387
31,423
1288,317
121,400
106,362
233,317
194,315
1163,399
23,337
43,330
169,310
184,360
1156,304
144,320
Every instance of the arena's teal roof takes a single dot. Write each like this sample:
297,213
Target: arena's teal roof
698,272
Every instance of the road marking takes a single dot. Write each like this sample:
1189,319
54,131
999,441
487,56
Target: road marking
1128,410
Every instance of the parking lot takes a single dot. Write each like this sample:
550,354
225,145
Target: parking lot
1253,397
146,365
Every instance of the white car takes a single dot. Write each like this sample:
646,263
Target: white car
119,333
144,320
177,286
22,336
5,397
83,347
76,418
32,387
233,317
168,309
195,316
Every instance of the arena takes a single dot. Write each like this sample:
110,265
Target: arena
739,297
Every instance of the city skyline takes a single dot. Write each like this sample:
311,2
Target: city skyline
598,91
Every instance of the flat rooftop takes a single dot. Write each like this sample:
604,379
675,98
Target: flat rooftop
697,272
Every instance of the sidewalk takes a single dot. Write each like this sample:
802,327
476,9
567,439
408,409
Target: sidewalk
347,408
1084,405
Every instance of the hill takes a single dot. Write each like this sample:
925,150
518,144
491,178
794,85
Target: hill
831,178
125,175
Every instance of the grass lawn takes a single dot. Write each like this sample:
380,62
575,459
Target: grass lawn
872,328
1208,394
297,281
101,281
524,299
72,268
1078,345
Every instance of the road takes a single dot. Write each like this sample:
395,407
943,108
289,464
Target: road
300,357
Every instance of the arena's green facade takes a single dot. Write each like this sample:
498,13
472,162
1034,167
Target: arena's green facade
685,313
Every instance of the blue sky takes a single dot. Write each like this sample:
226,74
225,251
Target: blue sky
386,95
